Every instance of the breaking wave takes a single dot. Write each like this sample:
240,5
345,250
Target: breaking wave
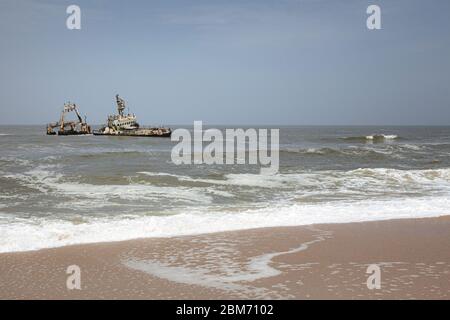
103,154
24,236
373,137
431,189
325,151
46,180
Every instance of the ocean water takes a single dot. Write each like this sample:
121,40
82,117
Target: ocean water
57,191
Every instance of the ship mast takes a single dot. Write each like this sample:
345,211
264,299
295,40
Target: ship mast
120,105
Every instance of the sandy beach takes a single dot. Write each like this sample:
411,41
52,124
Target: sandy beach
310,262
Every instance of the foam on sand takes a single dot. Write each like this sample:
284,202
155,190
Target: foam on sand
231,277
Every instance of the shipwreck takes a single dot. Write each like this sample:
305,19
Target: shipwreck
67,128
122,124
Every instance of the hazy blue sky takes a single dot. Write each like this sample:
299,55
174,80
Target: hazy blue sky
228,62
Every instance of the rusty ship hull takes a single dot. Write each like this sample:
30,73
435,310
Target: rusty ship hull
72,133
135,133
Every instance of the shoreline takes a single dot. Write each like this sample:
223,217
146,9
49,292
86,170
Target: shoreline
94,243
36,237
324,261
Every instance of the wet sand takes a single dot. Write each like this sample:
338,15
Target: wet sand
308,262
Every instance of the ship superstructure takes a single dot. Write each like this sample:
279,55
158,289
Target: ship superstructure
122,121
122,124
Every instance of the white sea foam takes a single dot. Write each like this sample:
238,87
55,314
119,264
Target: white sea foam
163,174
18,161
367,180
413,147
45,179
40,233
39,178
37,233
382,136
330,179
243,179
132,192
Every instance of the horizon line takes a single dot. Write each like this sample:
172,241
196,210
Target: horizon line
259,125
